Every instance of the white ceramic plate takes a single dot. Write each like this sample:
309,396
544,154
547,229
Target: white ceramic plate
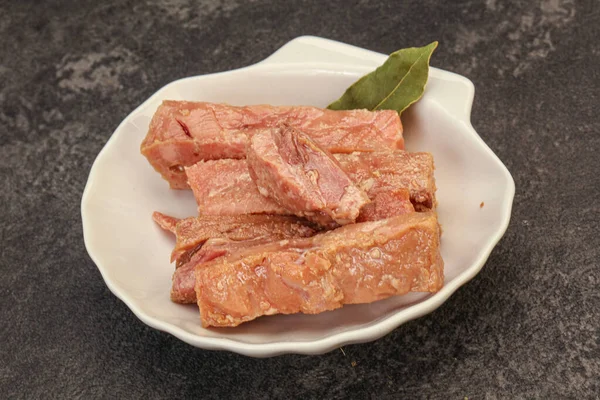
132,253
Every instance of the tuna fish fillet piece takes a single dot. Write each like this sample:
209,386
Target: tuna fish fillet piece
386,203
225,186
194,231
289,167
201,239
357,263
181,133
184,279
378,172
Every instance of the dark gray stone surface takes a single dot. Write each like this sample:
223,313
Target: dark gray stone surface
528,326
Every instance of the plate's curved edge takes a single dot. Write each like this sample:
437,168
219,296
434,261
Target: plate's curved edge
460,104
315,49
372,332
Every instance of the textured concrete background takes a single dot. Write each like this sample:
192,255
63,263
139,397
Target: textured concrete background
527,326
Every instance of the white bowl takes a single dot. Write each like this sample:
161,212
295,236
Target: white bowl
132,253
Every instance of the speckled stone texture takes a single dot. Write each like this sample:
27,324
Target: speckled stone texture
528,326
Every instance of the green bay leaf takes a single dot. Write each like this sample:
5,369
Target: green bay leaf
395,85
